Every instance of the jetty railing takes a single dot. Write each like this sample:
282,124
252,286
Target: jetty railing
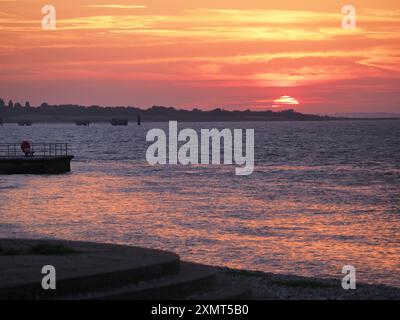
13,150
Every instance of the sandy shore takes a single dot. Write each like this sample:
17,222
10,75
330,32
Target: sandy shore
290,287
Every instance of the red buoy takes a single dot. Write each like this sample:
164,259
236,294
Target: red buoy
26,147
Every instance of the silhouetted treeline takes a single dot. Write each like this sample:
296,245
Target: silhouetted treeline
11,112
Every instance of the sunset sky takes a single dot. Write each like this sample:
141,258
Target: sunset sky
234,54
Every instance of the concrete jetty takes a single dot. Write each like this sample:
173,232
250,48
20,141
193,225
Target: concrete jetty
36,165
39,158
91,271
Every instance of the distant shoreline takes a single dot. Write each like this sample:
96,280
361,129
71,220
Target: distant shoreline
15,112
133,121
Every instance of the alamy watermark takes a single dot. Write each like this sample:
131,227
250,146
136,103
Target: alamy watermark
49,280
49,20
349,20
349,280
188,153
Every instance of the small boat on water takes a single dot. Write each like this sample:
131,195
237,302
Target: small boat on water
25,123
84,123
35,158
119,122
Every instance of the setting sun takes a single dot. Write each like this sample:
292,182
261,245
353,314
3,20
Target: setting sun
285,101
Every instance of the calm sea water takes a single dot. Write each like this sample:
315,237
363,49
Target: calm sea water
323,195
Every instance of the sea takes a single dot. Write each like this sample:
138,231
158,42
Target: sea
323,195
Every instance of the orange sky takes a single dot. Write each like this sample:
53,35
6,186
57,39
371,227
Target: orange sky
203,53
